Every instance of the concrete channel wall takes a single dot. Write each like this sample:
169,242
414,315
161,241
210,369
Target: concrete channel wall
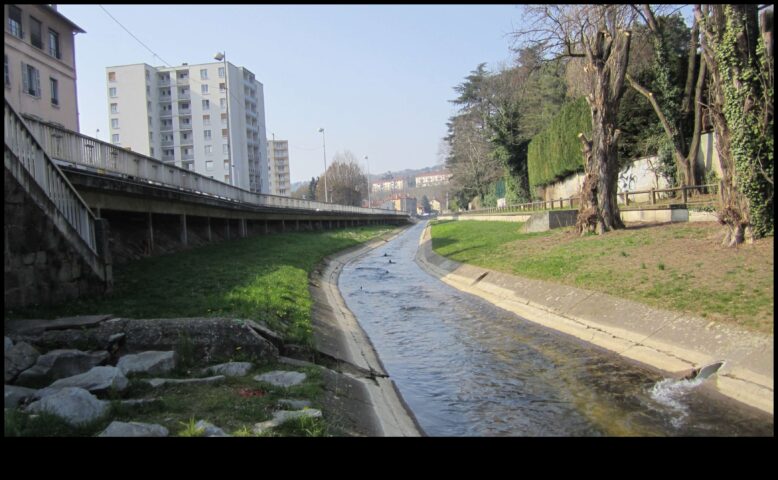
672,342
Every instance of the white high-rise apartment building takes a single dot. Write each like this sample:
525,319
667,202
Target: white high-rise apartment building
179,115
278,167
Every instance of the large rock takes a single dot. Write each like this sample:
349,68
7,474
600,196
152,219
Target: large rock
7,344
58,364
231,369
18,358
282,416
96,380
15,395
210,430
152,362
158,382
134,429
280,378
75,405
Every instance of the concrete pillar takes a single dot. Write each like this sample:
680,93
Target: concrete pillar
151,232
283,226
208,228
184,239
310,224
227,229
97,212
243,228
102,232
297,225
264,227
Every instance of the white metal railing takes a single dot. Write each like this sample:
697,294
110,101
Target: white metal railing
80,150
20,140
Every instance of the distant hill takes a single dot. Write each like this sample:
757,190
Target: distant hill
407,173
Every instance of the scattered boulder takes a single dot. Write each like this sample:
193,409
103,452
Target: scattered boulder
58,364
230,369
294,404
282,416
209,430
152,362
14,395
280,378
97,380
134,429
158,382
18,358
73,404
7,344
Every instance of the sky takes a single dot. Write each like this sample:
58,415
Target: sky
377,78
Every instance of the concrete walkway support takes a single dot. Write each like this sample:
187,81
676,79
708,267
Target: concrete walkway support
208,229
150,224
184,239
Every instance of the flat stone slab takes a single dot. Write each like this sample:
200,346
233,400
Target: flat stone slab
158,382
210,430
96,380
58,364
152,362
74,405
282,416
16,395
230,369
134,429
64,323
295,362
280,378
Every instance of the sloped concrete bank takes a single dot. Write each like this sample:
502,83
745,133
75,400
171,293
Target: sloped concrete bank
368,399
673,342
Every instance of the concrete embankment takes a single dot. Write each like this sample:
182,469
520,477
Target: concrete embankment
673,342
368,398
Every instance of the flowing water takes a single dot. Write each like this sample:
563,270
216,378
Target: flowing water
468,368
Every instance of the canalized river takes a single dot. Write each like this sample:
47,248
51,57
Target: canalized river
468,368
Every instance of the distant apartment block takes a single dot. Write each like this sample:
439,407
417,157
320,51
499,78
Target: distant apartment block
432,179
180,115
40,63
392,185
400,203
278,167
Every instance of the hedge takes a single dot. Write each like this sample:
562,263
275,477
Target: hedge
555,153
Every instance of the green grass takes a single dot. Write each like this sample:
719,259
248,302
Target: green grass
678,267
259,278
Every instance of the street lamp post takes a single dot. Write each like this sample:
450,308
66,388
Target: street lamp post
369,203
324,148
219,57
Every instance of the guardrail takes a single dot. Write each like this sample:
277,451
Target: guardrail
82,151
33,157
689,195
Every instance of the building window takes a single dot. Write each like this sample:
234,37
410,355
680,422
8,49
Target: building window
204,89
111,76
54,91
206,104
114,123
114,108
115,138
204,74
54,44
221,72
209,151
223,103
224,119
36,35
224,133
206,120
7,72
225,149
206,134
209,165
15,21
151,152
112,92
31,80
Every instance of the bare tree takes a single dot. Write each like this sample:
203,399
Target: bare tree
346,183
470,162
600,35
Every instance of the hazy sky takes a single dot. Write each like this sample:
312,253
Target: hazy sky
377,78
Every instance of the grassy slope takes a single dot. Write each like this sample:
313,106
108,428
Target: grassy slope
679,267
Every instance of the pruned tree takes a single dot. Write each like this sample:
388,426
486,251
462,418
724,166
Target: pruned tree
673,107
740,61
600,34
346,183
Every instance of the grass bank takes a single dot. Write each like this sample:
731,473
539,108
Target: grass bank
259,278
679,267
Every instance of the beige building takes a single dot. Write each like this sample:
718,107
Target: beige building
393,185
430,179
205,117
40,63
278,167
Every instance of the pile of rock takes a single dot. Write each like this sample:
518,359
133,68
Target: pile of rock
73,383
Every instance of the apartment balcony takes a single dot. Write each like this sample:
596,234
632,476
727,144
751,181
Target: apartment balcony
187,157
182,81
166,143
166,128
184,111
163,82
184,96
168,158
